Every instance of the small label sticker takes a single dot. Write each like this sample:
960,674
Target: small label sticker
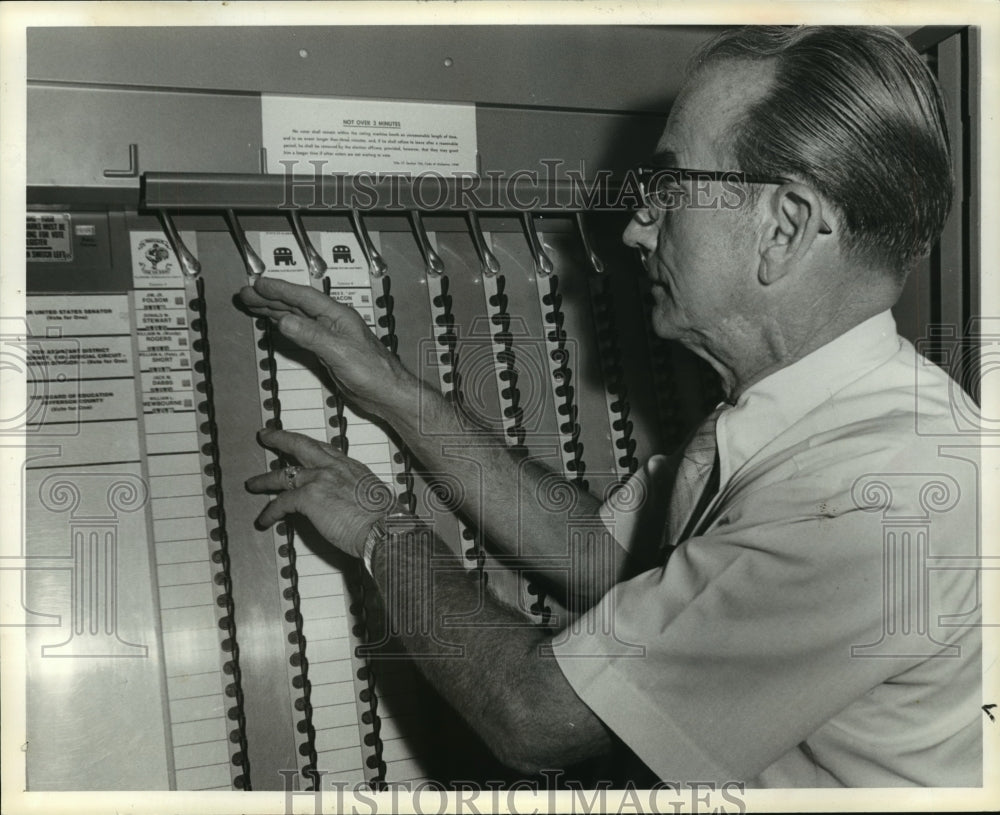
48,237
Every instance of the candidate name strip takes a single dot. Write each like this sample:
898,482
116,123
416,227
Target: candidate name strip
186,541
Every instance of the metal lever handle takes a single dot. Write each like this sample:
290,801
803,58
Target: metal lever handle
188,262
543,263
595,262
489,262
376,266
254,265
133,165
315,262
433,262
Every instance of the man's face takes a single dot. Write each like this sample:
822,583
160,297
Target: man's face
701,255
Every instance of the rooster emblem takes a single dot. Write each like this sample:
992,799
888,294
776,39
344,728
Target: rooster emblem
156,254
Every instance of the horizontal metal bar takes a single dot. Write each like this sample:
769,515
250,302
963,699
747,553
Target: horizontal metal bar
83,197
384,193
331,220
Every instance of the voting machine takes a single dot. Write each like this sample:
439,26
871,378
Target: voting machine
171,643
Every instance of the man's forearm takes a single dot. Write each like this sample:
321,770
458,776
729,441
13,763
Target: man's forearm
525,508
502,498
490,666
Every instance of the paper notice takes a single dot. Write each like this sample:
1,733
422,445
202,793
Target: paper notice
367,136
48,237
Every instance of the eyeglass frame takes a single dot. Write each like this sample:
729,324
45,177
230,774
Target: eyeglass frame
685,173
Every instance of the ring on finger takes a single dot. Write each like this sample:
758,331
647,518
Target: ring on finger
290,475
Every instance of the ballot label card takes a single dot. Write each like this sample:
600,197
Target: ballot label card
154,264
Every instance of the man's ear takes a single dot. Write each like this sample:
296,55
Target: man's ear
795,218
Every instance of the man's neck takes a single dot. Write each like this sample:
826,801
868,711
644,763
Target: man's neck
778,344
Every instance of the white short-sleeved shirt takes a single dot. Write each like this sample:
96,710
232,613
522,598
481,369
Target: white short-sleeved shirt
822,626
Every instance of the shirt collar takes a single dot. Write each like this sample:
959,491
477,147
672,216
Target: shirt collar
779,400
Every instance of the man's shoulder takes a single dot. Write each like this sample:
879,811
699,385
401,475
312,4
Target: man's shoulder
906,407
893,428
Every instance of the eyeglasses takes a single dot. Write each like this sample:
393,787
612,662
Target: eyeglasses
661,191
660,186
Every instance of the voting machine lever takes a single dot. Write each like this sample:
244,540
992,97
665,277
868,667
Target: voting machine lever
595,262
314,261
251,260
543,263
188,262
376,266
490,264
435,266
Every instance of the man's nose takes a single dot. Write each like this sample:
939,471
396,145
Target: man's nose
641,232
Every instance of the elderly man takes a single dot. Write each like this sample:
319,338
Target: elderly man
760,630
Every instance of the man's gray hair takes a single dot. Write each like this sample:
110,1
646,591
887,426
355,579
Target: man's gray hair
855,112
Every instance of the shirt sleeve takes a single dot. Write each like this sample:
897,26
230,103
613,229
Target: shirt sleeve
635,513
715,665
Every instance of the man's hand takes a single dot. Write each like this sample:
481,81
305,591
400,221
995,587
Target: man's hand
364,369
503,494
340,496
